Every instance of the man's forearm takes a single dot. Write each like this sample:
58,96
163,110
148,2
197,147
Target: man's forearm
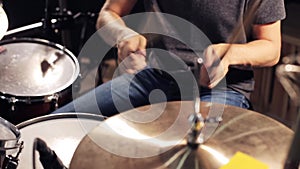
112,28
258,53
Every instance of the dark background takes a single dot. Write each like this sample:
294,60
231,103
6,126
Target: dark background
26,12
22,12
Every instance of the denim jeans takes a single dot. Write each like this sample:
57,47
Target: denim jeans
146,87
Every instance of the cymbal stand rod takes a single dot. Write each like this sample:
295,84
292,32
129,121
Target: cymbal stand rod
194,137
196,90
196,118
47,20
65,34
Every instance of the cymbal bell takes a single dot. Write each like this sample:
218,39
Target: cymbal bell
154,137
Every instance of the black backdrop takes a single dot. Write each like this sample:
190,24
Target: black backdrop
26,12
23,12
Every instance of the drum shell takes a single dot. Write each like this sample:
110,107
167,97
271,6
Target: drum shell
31,107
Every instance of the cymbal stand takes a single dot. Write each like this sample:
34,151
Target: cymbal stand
293,158
194,139
287,75
65,20
63,11
47,19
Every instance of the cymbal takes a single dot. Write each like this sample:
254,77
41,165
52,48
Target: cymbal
3,22
154,137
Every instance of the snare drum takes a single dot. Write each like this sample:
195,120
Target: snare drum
35,78
9,137
61,132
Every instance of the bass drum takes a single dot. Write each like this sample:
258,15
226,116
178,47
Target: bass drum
35,78
61,132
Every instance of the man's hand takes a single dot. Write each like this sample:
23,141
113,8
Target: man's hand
132,54
215,65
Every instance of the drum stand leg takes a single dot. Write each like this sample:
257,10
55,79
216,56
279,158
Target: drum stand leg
293,157
2,156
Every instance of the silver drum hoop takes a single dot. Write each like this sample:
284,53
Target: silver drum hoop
9,136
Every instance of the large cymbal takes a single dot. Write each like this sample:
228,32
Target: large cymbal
132,140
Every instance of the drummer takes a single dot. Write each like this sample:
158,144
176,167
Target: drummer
223,59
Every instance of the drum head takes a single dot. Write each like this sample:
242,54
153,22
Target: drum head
61,132
22,70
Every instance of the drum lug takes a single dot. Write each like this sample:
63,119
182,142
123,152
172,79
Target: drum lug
54,99
11,162
13,101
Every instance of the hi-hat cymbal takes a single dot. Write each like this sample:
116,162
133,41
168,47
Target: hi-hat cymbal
153,137
3,22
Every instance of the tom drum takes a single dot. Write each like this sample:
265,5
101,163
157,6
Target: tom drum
35,78
61,132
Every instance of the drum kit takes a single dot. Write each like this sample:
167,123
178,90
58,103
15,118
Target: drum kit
35,74
35,79
88,141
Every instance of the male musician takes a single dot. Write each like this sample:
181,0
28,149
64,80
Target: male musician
223,59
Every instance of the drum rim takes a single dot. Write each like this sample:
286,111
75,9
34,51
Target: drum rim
28,99
10,126
60,116
8,144
51,44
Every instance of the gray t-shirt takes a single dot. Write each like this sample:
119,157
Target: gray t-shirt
217,19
